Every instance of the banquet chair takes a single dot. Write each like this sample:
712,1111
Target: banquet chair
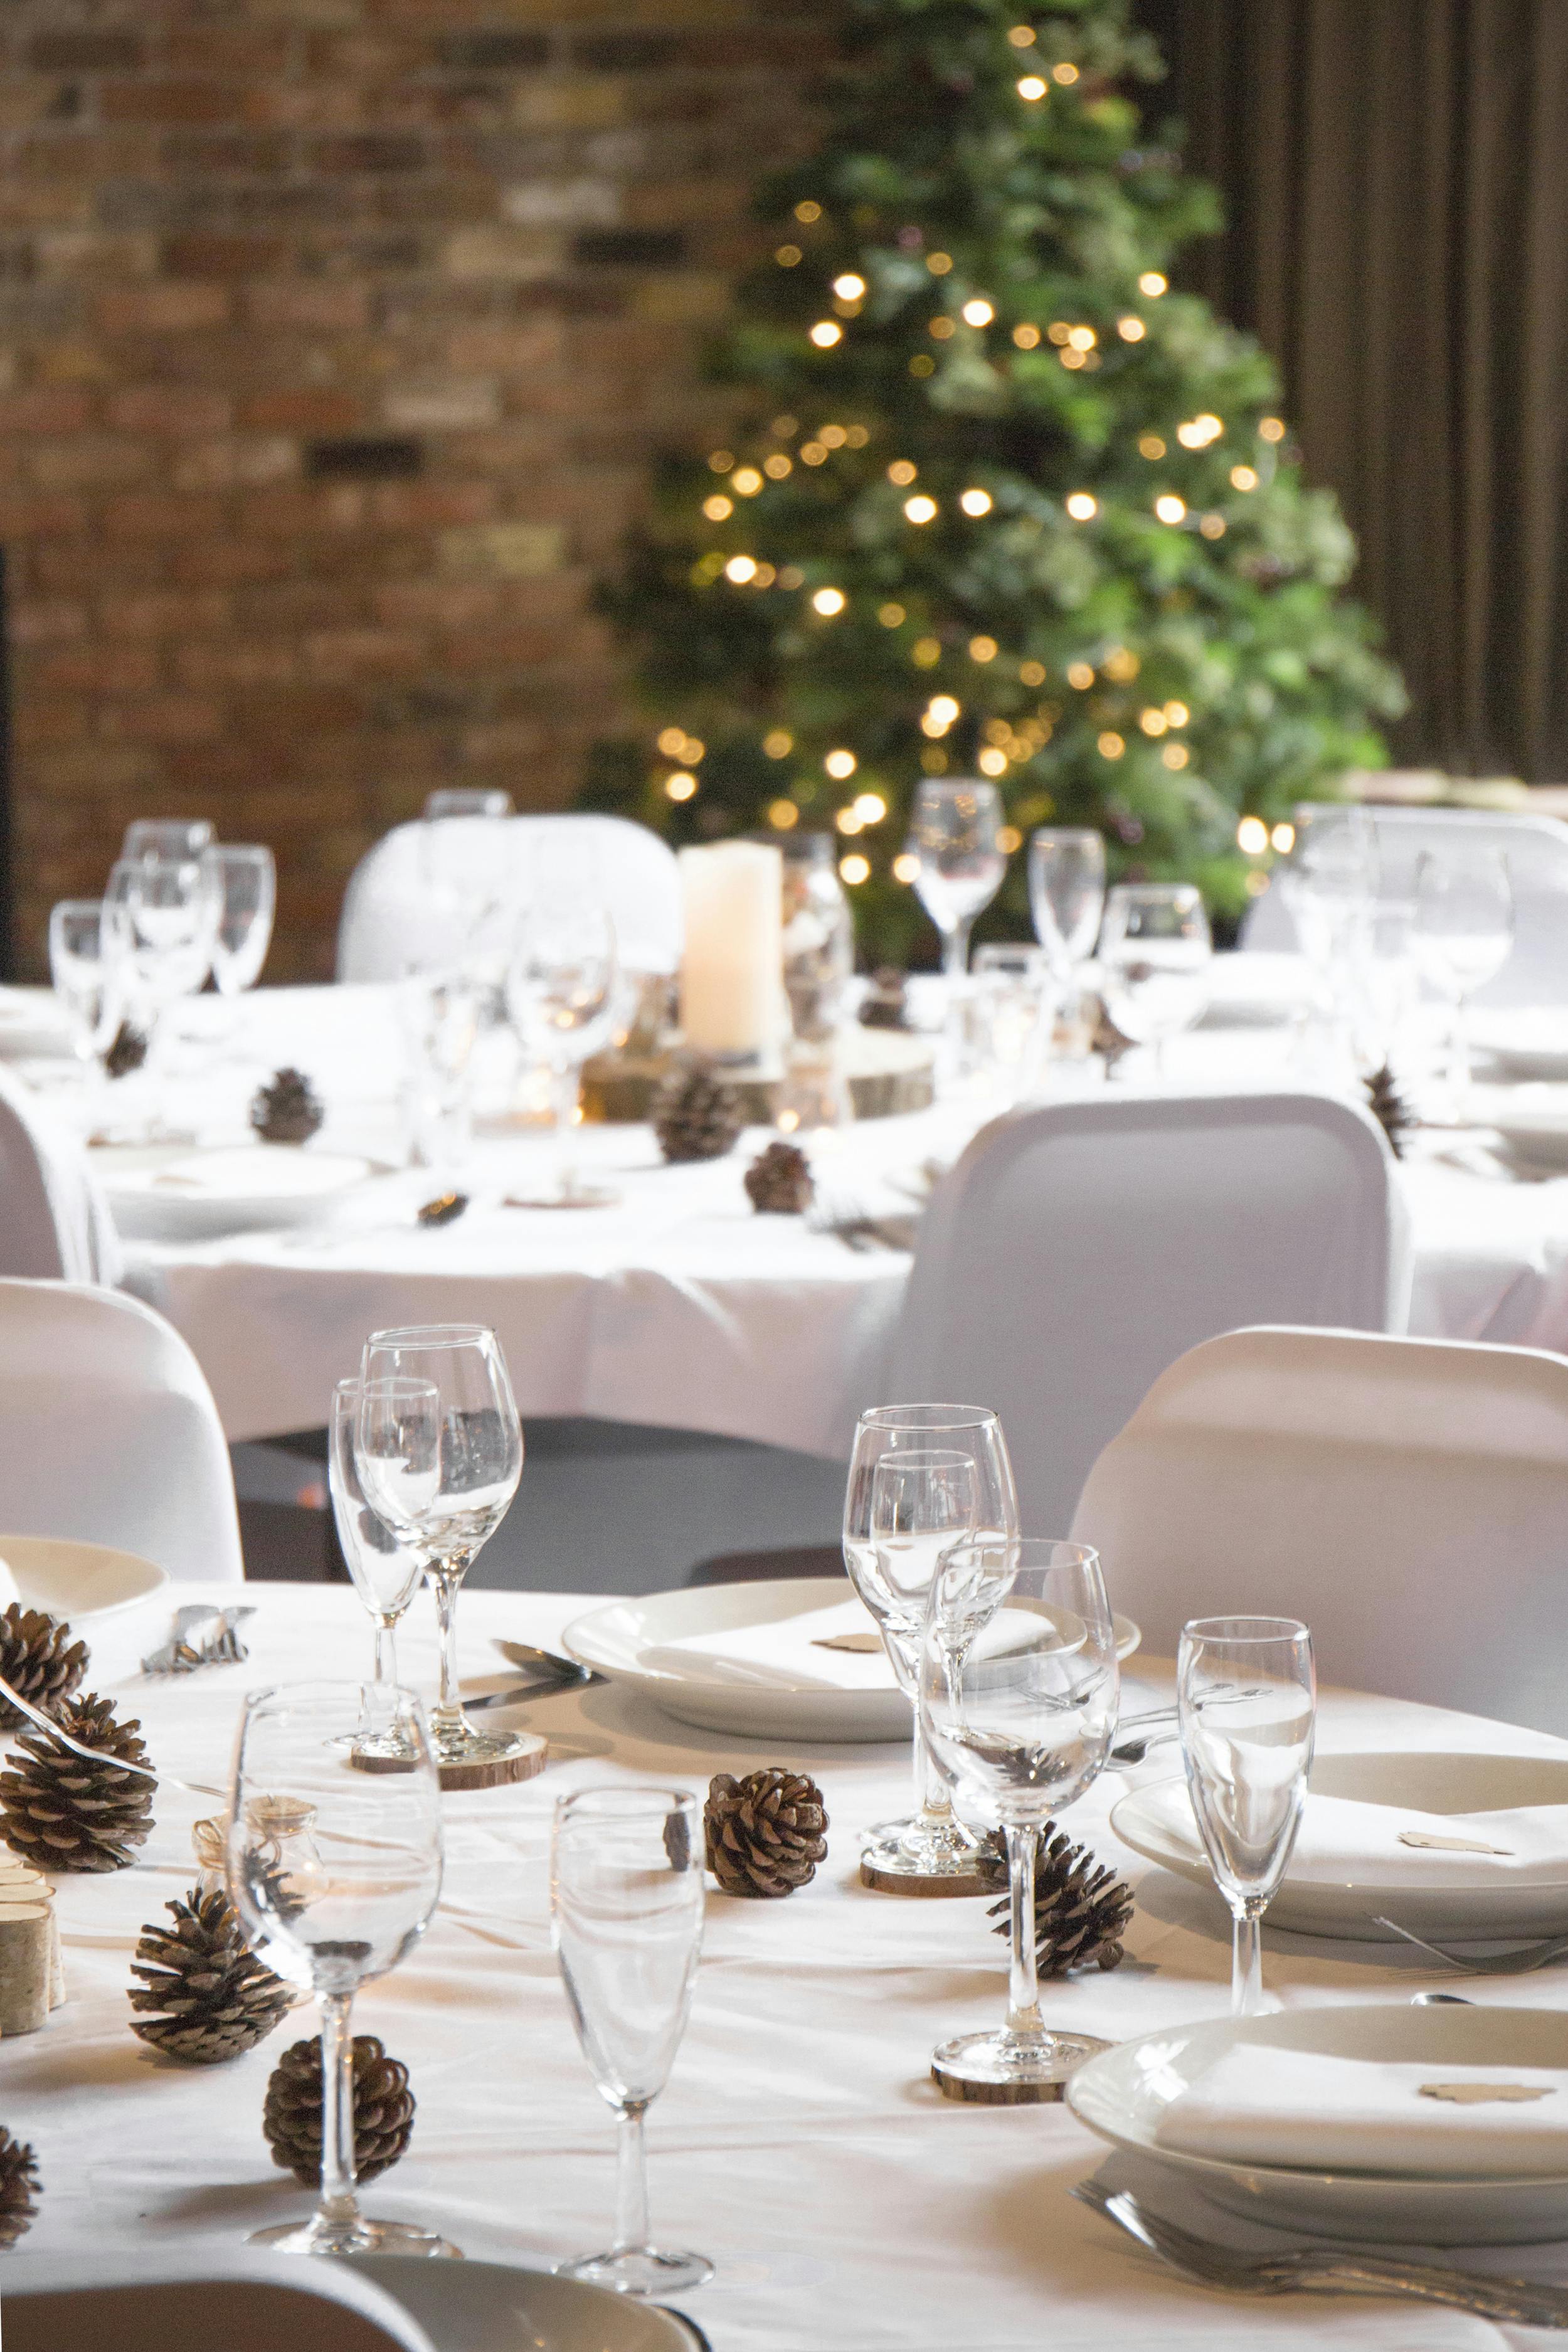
388,915
199,2302
54,1220
1077,1248
1406,1499
110,1432
1536,849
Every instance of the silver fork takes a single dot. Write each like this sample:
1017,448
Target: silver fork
96,1755
1326,2270
1529,1957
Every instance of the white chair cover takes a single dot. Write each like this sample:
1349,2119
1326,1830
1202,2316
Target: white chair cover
213,2302
1406,1499
1536,848
111,1434
388,912
1078,1248
54,1220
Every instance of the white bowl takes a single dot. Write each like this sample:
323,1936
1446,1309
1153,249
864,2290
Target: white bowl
87,1583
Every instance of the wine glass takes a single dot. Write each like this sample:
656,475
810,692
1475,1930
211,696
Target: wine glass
626,1911
954,828
1461,935
564,992
176,837
1018,1694
440,1014
1246,1698
1067,894
341,1899
1331,888
85,962
443,1481
466,799
384,1573
1155,952
243,879
892,1578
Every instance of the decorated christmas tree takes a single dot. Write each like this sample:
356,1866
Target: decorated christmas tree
996,498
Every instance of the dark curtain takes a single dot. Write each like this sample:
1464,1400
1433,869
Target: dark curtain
1395,181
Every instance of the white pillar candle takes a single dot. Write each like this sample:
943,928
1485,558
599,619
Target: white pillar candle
731,969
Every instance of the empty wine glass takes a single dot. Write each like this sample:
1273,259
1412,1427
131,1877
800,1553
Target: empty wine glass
564,992
1246,1701
466,799
1154,952
176,837
1018,1694
1067,894
625,1909
85,962
243,877
891,1567
440,1014
443,1481
954,828
1461,935
1330,888
384,1573
342,1898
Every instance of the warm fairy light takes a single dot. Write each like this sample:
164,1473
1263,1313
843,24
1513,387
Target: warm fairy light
672,742
1199,431
787,255
849,820
832,436
827,601
1059,330
1022,37
1074,359
939,264
783,816
784,428
1065,74
891,616
940,714
739,569
934,760
778,743
870,808
978,311
1080,674
1109,745
1151,446
982,649
808,212
1154,283
1177,713
1032,673
992,762
1082,505
855,868
1271,428
976,502
922,363
840,764
747,480
1008,839
721,461
716,508
791,576
1213,526
1243,478
1082,339
680,786
1031,88
1284,839
1252,837
1121,664
1026,337
1131,327
857,435
826,333
812,453
927,652
998,730
1176,755
920,508
942,327
849,288
764,576
787,1122
906,867
1153,722
1170,509
901,472
778,467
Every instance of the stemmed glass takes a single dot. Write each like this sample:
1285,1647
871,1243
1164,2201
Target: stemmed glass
84,963
1461,935
443,1480
625,1909
170,911
1154,952
441,1015
1067,894
176,837
384,1573
1247,1700
466,799
954,828
243,879
339,1900
896,1527
1019,1692
562,991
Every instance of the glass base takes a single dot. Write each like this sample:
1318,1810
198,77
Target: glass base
384,1746
640,2269
920,1848
361,2236
1005,2065
459,1743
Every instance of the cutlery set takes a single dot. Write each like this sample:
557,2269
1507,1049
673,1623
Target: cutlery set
221,1644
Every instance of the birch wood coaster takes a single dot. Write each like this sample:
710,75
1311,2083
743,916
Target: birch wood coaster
909,1882
954,2086
527,1752
20,1882
27,1956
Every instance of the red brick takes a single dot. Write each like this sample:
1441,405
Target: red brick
298,513
163,310
167,408
181,101
165,613
101,669
341,655
239,661
163,719
207,255
49,410
310,302
432,506
40,622
147,515
40,518
303,411
438,603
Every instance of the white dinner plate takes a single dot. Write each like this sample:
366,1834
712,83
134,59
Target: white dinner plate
615,1641
87,1583
1122,2094
1530,1042
1254,989
32,1023
1435,1782
1532,1121
174,1193
476,2306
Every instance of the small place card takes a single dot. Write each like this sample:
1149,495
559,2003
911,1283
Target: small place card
862,1644
1453,1845
1481,2095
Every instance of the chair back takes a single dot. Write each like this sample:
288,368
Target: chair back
155,2302
1406,1499
54,1220
111,1434
1078,1248
388,913
1536,849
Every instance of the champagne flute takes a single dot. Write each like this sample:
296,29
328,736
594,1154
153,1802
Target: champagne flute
893,1578
1461,935
1154,953
383,1572
1067,894
563,992
954,826
1019,1692
243,877
1246,1698
86,965
626,1913
340,1899
443,1482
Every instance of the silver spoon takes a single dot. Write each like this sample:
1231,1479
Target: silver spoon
1440,2000
1529,1957
547,1662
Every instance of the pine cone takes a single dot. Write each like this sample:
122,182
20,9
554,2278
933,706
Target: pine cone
19,2187
764,1834
1106,1038
1081,1907
126,1052
778,1183
62,1813
383,2110
209,1996
38,1659
696,1116
287,1109
1389,1108
886,1002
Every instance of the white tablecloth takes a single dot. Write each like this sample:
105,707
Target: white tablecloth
801,2145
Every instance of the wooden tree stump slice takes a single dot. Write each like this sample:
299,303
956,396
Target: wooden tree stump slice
527,1753
904,1882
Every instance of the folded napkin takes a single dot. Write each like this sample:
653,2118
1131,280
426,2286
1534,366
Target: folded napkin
780,1653
1344,1843
1258,2104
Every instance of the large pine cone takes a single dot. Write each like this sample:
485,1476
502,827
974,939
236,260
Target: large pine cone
1081,1907
778,1183
764,1835
19,2187
1389,1108
205,1993
126,1052
38,1659
65,1814
383,2110
695,1115
287,1109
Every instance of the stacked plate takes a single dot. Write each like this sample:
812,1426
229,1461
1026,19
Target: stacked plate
1532,1123
163,1192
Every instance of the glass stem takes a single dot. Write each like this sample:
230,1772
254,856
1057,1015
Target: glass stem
1023,1982
955,948
1459,1061
446,1576
1246,1963
564,1099
338,2206
932,1803
385,1654
631,2180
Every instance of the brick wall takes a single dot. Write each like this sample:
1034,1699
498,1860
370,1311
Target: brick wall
334,337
